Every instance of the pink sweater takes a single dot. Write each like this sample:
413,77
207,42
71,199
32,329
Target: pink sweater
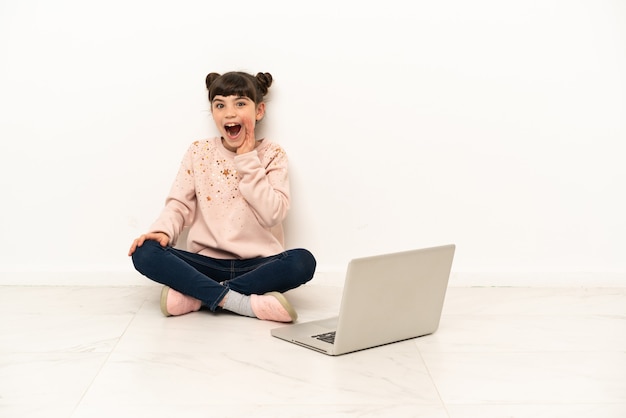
234,205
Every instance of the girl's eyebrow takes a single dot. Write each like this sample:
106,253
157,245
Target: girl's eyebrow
217,99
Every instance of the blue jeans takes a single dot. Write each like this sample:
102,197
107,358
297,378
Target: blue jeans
201,277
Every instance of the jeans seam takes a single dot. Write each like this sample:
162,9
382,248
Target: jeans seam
199,261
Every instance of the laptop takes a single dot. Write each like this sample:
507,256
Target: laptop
386,298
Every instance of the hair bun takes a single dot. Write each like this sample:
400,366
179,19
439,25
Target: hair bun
210,78
265,81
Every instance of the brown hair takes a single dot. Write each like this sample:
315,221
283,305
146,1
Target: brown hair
237,83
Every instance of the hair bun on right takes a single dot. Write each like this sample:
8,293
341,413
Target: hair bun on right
265,81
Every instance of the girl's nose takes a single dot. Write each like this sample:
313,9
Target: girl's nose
230,111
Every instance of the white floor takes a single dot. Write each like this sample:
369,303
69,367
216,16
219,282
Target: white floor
499,352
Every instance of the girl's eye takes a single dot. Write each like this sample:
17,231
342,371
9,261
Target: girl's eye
241,104
219,106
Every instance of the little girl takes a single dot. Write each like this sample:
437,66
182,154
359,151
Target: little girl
233,194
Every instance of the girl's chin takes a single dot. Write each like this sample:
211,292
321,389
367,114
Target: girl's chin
231,144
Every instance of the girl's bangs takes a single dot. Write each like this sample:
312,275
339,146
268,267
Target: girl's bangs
233,86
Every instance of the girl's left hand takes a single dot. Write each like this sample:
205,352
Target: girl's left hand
249,142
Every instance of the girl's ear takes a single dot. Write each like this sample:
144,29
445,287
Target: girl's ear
260,111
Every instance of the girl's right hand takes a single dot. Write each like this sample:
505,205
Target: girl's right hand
249,142
160,237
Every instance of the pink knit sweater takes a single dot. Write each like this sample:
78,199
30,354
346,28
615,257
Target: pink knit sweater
234,205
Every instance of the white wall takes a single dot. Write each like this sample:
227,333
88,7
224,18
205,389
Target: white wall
498,126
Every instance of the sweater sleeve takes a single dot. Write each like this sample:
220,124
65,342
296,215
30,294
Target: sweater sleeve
180,204
265,184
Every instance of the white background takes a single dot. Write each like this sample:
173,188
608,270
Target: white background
497,126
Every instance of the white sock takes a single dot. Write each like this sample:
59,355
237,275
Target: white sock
238,303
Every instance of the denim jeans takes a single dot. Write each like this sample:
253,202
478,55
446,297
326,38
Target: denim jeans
201,277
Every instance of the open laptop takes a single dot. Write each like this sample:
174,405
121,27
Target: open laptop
386,298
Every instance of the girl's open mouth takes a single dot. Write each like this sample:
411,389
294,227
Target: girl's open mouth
232,130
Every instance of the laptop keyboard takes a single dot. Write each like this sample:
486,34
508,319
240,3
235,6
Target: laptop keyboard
328,337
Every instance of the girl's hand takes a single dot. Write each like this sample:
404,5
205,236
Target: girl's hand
160,237
249,142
